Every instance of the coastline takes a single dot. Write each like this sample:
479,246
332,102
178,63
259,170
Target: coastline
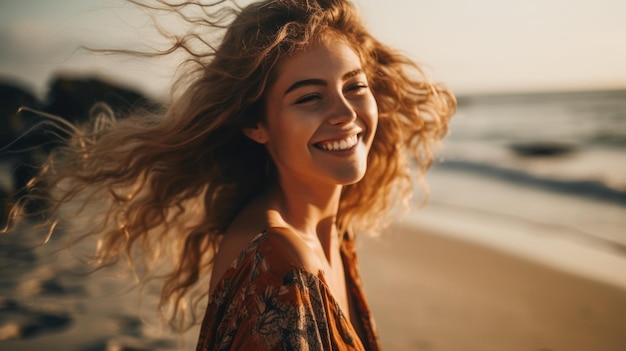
427,290
486,265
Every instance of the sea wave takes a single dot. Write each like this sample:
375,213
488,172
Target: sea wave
593,172
589,188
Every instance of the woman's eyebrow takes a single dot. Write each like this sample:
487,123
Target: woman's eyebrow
305,82
353,73
320,82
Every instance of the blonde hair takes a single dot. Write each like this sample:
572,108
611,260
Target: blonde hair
166,186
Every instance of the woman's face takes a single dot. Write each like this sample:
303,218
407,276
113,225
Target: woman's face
321,116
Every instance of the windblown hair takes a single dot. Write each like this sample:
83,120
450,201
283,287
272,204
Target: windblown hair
164,187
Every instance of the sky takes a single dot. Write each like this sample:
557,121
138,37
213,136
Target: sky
477,46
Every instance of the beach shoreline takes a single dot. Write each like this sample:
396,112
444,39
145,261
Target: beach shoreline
427,290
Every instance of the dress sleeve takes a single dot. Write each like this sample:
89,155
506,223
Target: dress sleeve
291,315
283,315
269,303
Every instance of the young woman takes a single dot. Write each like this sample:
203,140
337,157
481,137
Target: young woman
297,132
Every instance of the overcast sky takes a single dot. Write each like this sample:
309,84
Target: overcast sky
471,45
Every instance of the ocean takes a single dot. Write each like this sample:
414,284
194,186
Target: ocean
550,167
574,142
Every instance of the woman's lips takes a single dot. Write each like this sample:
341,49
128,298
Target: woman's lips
339,144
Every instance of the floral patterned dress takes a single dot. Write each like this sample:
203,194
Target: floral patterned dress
266,302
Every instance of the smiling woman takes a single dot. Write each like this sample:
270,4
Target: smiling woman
282,144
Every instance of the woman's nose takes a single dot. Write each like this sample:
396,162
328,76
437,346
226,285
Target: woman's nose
341,111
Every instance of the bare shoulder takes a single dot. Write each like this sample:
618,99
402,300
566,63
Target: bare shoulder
231,245
247,224
293,249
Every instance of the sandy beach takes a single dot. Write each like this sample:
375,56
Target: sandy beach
428,292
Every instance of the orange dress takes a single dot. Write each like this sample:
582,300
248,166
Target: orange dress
266,302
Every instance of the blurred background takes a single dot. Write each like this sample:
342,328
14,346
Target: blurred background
522,245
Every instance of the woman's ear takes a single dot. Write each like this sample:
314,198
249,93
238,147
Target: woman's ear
258,134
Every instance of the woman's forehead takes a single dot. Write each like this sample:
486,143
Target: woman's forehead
321,58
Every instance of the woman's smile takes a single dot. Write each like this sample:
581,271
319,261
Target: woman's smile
339,144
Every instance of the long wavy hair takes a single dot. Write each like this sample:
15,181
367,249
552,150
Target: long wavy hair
159,190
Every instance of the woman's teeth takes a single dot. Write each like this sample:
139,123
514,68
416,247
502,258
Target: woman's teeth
338,145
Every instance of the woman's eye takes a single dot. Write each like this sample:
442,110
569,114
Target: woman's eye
307,98
358,87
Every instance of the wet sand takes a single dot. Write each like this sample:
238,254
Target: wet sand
427,291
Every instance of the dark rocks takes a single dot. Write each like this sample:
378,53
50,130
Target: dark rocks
27,136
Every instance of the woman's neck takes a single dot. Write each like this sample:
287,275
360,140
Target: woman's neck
311,211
